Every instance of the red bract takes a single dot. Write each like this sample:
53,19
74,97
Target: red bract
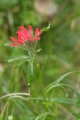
24,35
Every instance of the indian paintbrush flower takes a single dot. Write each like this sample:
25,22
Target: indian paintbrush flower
24,35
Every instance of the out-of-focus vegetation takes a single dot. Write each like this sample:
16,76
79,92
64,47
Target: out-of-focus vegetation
60,54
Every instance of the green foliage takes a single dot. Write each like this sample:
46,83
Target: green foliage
51,97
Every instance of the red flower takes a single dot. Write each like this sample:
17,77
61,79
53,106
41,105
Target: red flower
24,36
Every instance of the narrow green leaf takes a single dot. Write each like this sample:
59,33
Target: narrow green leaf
62,77
56,83
45,29
43,115
19,58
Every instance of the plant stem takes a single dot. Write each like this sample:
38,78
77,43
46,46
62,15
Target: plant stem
36,63
56,110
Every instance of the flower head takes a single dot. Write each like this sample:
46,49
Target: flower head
24,35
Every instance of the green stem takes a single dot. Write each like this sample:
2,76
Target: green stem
41,81
36,63
56,110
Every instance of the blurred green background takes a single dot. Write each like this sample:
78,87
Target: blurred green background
60,48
